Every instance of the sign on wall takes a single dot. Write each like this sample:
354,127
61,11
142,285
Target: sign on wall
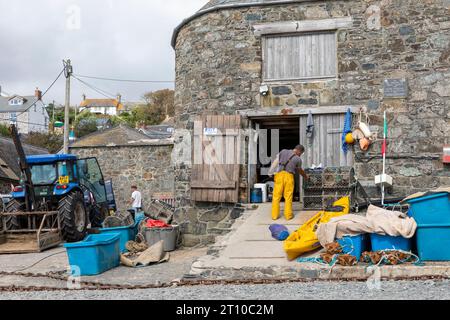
395,88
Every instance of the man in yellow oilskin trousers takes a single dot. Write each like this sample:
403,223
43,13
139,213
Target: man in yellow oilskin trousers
289,162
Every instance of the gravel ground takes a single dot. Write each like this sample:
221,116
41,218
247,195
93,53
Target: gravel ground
392,290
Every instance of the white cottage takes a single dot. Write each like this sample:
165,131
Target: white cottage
29,113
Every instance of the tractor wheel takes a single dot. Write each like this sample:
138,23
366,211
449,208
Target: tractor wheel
12,222
73,217
96,216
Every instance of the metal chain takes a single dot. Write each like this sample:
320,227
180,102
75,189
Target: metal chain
95,286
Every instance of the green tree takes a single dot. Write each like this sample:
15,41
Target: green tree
59,113
85,124
159,105
4,130
53,143
85,127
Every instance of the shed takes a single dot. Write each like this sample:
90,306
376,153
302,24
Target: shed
129,157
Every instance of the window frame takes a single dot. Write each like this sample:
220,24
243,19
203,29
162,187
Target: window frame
264,38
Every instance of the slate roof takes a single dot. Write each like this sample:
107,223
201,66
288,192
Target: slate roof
119,136
213,5
9,163
5,107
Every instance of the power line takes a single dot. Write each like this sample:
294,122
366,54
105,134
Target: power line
27,122
98,90
30,123
125,80
45,92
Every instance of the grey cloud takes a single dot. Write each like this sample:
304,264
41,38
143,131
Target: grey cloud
125,39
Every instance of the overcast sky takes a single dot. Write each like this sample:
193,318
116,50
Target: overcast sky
107,38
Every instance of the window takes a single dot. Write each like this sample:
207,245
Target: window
43,174
13,117
311,55
16,102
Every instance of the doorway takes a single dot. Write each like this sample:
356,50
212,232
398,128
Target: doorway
274,135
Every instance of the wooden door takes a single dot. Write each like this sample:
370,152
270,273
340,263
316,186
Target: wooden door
325,147
216,158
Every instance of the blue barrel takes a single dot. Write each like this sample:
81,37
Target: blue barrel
256,196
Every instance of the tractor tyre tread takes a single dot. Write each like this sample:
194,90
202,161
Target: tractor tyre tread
13,223
67,218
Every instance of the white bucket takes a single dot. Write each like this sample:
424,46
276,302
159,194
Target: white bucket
263,187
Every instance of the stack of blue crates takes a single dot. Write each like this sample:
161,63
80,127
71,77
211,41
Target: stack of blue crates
432,214
101,252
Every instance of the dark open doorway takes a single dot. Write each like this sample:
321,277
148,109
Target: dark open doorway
274,135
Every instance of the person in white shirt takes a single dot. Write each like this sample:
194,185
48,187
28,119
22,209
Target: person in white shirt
136,199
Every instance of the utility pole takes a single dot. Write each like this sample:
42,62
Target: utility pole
67,72
53,118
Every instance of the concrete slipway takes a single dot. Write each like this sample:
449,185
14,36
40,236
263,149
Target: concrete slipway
249,251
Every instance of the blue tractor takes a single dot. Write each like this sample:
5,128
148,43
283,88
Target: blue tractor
67,192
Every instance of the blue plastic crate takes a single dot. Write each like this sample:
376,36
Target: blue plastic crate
433,242
380,242
96,254
431,210
353,245
126,233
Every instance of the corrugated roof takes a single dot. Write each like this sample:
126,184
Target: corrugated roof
158,131
213,5
8,156
5,107
115,137
89,103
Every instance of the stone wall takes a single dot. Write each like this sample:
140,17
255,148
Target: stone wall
149,167
219,61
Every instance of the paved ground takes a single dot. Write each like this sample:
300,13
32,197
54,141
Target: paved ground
391,290
251,244
249,251
178,265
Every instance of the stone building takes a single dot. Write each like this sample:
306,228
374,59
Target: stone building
129,157
274,61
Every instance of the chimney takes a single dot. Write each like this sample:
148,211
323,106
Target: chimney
38,94
119,98
83,96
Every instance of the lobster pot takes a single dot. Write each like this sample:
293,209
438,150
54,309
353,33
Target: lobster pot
325,186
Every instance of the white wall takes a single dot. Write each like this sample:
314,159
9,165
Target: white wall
31,121
38,119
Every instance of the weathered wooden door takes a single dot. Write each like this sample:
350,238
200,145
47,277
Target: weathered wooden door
216,158
325,147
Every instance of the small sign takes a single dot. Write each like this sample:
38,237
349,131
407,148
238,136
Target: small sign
395,88
63,180
210,131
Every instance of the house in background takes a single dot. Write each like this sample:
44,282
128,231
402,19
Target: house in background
27,112
111,107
